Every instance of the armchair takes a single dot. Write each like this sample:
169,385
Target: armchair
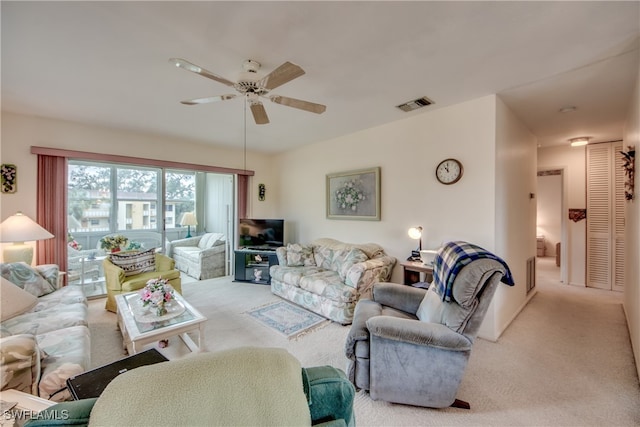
411,345
118,282
245,386
202,257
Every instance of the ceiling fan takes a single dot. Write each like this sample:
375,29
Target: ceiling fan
254,86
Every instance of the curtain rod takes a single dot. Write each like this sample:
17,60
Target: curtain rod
85,155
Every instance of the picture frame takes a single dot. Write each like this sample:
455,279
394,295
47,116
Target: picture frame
8,178
354,195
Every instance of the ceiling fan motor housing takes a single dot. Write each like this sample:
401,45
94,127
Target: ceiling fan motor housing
249,79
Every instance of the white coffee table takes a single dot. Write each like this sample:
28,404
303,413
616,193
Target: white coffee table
139,328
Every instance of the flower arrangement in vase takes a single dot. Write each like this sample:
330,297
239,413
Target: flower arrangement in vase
157,294
113,243
73,243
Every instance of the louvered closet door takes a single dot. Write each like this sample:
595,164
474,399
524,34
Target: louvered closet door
605,217
618,220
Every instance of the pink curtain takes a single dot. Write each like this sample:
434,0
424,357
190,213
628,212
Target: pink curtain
52,210
243,184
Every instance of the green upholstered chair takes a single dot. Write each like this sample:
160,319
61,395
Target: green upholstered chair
230,387
119,283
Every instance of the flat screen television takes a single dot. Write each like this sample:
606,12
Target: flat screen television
261,233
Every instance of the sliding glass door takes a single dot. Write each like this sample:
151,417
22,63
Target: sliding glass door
145,204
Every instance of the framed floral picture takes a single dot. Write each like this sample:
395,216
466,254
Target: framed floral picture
354,195
9,178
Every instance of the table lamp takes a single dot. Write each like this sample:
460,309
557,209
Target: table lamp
18,229
416,234
188,219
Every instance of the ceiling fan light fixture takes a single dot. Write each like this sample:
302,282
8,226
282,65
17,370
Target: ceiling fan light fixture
580,141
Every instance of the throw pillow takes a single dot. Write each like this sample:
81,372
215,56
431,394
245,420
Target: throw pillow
344,261
13,300
135,262
26,277
50,272
300,255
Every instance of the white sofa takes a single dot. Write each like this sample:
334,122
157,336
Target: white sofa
201,257
328,277
44,331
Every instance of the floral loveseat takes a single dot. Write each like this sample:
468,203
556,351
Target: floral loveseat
328,276
44,334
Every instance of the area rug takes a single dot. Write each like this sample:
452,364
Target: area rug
288,319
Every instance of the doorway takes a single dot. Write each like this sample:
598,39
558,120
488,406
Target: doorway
550,226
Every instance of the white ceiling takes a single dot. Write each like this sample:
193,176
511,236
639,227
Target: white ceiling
106,63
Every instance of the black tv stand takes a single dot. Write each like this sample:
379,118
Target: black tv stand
252,265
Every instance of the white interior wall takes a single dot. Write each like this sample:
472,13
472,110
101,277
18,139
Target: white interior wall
515,218
407,151
572,161
549,211
632,232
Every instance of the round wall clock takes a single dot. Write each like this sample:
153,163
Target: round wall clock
449,171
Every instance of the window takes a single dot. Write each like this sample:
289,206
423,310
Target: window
179,196
105,198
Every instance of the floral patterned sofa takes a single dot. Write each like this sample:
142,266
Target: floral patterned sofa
44,331
328,276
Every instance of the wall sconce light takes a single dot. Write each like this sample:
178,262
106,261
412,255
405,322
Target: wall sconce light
18,229
416,234
188,219
579,142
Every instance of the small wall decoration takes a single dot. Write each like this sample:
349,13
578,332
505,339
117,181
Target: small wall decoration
261,192
9,178
354,195
576,215
629,165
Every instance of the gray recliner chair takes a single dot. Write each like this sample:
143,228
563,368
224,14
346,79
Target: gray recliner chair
410,345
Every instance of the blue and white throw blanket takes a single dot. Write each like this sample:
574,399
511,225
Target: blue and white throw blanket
453,257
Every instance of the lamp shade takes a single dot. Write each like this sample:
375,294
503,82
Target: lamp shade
415,232
188,218
21,228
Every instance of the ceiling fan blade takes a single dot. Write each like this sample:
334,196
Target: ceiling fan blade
199,70
298,103
259,113
281,75
207,100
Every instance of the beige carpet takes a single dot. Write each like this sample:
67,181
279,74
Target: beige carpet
565,361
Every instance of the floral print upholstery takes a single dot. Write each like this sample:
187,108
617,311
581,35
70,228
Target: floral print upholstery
43,347
65,354
342,274
300,255
20,368
37,281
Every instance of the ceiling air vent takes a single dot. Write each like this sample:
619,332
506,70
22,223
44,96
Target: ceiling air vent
415,104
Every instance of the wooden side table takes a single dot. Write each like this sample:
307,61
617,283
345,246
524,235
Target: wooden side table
413,272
